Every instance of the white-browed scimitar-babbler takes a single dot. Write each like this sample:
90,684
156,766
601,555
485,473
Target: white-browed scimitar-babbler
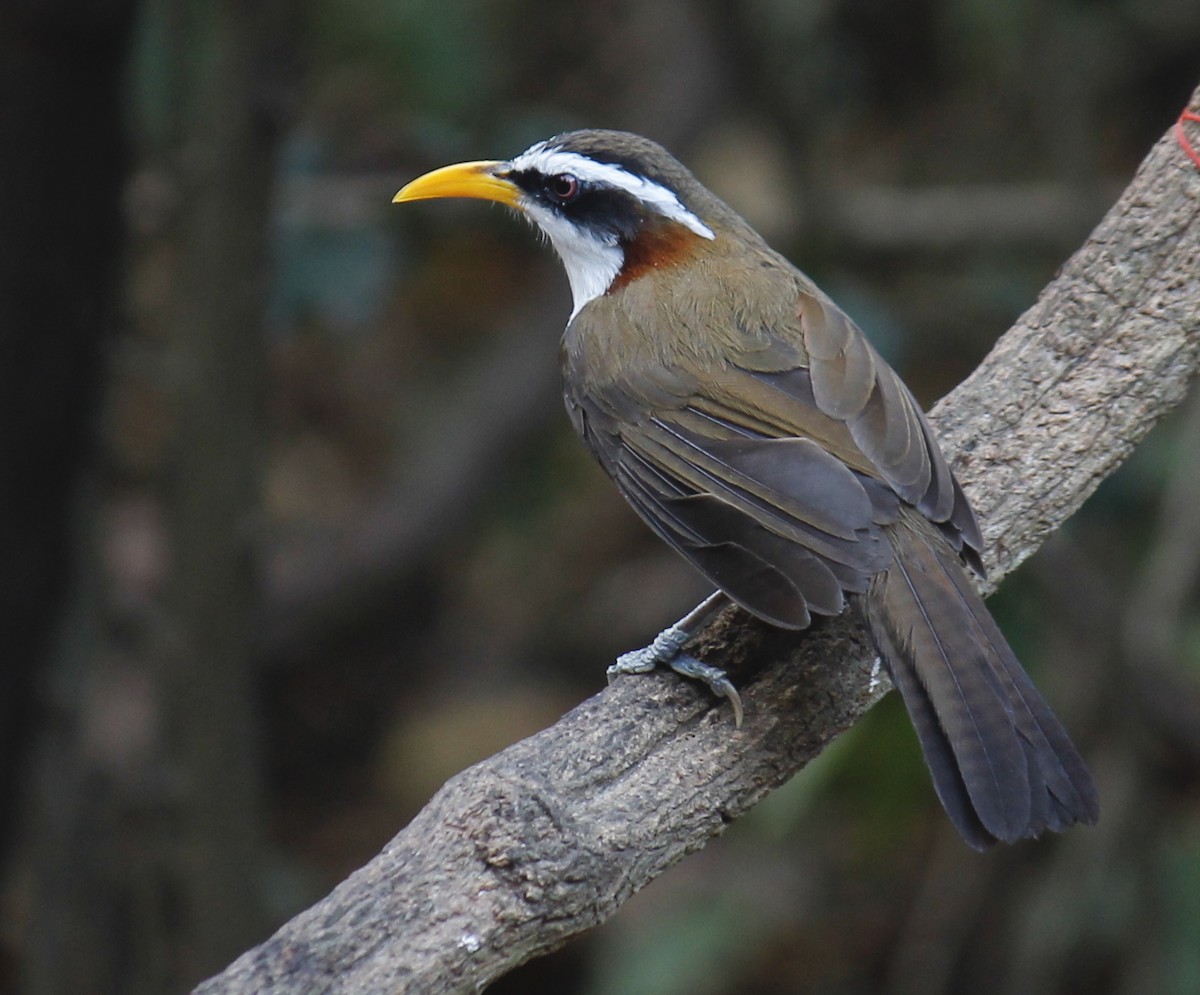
753,427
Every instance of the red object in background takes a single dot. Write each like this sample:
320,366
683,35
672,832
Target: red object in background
1181,135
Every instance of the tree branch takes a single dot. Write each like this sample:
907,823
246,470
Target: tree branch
546,839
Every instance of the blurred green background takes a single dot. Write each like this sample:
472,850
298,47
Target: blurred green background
294,527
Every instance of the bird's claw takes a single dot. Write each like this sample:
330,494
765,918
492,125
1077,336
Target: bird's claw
715,678
666,650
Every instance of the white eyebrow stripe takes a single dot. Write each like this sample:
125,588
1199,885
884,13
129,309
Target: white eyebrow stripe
550,161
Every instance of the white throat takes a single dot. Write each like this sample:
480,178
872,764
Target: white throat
592,264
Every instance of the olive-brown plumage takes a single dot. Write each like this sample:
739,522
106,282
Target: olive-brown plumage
753,427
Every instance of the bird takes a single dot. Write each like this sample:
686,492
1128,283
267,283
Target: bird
754,428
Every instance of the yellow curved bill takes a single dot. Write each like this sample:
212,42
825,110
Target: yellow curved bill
466,179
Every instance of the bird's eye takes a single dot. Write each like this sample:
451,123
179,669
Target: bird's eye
563,187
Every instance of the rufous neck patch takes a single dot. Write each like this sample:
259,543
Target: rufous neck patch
659,245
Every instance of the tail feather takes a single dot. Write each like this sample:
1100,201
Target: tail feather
939,755
1002,764
1060,770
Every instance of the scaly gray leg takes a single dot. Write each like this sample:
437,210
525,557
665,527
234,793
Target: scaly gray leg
665,650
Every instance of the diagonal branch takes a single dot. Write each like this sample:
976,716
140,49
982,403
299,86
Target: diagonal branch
546,839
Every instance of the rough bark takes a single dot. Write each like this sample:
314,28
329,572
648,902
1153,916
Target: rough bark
544,840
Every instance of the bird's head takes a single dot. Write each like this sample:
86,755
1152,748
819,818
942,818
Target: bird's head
615,206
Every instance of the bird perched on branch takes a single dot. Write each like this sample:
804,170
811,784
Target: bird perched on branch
753,427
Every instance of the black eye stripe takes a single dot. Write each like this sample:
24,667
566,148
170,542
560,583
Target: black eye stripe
555,189
604,210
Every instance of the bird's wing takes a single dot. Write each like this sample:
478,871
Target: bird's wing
774,473
861,397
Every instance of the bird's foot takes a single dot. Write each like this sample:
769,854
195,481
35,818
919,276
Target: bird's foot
666,650
666,646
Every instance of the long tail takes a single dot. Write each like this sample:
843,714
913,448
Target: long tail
1002,764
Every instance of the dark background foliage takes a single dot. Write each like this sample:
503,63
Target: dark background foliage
293,526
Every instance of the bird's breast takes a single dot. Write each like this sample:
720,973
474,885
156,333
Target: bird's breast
693,316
